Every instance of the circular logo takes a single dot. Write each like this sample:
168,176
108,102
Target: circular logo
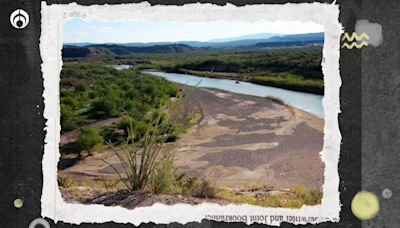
19,19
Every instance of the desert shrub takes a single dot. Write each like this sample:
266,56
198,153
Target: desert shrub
137,127
295,197
231,196
70,101
108,106
290,81
172,90
68,125
308,196
64,182
80,87
163,178
205,188
314,197
88,138
109,92
67,121
109,185
92,94
186,185
111,135
140,161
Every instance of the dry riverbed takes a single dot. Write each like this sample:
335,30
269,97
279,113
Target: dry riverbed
238,141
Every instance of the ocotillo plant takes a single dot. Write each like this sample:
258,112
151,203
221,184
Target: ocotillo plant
140,159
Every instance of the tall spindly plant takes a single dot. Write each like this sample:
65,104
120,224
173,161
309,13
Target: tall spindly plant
140,160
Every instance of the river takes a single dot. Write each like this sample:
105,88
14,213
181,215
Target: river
306,101
120,66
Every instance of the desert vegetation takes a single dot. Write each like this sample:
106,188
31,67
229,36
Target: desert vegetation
92,92
289,68
136,116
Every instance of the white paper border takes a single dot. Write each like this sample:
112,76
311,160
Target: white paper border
53,18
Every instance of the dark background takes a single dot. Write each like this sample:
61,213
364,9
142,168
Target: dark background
369,122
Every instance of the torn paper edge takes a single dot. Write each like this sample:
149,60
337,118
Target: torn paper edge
51,42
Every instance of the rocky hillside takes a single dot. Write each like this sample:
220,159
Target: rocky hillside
114,49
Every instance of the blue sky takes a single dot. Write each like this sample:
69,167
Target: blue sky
78,30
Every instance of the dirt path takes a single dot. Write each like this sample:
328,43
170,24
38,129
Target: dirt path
239,140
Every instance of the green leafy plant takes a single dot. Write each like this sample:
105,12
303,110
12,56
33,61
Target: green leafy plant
80,86
88,138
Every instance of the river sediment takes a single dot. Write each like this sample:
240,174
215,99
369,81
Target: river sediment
239,140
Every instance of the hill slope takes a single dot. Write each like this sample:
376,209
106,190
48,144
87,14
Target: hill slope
250,41
114,49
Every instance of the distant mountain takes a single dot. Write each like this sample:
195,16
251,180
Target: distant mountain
81,50
240,41
190,43
287,44
114,49
248,37
225,42
316,37
299,37
82,44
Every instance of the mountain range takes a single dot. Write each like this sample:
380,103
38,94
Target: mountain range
263,40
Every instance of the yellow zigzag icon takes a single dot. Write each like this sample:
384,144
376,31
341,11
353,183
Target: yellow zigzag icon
354,44
355,36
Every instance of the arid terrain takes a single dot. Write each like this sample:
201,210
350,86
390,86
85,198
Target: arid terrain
243,138
237,140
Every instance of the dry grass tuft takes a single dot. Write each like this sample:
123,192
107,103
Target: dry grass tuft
295,197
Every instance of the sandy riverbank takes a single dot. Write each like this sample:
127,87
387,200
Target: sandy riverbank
238,140
245,139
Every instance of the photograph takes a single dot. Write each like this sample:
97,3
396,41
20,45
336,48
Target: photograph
182,112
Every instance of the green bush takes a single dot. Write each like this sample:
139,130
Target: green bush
110,92
68,125
163,180
70,101
92,94
67,121
290,81
108,106
80,87
88,138
138,127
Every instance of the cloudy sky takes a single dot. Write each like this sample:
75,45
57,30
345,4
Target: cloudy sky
78,30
